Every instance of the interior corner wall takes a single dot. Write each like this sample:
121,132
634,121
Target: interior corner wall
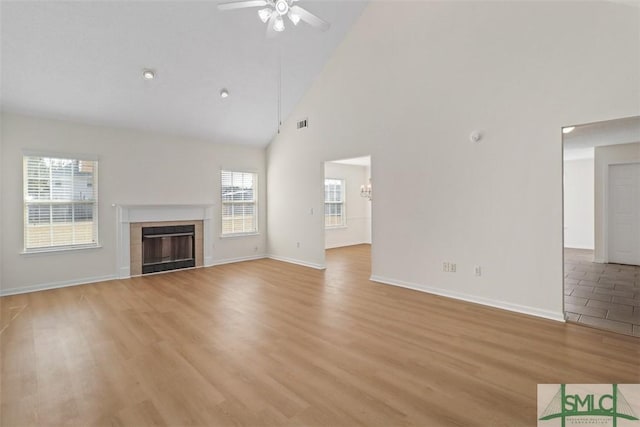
604,157
136,168
408,85
579,204
1,199
357,213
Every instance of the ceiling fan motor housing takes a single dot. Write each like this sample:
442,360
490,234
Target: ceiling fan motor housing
282,7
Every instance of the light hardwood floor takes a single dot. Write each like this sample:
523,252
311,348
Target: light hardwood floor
267,343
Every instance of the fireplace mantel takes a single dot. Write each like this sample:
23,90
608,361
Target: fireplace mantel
128,214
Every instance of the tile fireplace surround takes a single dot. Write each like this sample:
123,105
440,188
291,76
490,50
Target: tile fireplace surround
130,218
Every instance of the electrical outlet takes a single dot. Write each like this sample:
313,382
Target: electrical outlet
478,270
298,244
255,249
445,267
452,267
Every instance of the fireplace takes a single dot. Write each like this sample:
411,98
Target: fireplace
132,218
168,248
165,246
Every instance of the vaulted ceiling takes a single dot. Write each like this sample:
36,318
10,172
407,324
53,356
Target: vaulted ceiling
83,61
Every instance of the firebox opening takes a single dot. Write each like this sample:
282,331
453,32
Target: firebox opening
168,248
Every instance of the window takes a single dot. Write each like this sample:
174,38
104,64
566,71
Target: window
334,203
239,203
60,203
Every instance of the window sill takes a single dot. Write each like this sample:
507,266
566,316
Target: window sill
231,236
45,251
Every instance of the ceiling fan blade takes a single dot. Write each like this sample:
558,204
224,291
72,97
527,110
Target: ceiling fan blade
270,31
310,18
241,4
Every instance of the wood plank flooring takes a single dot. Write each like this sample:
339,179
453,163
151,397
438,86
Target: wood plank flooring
265,343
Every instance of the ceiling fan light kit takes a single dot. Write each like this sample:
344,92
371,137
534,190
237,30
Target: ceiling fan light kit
265,14
278,24
293,17
272,13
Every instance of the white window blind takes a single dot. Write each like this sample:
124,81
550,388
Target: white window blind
60,203
239,203
334,203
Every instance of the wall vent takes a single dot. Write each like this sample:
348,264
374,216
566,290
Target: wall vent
303,123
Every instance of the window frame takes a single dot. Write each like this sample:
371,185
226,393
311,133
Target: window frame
343,203
224,203
51,202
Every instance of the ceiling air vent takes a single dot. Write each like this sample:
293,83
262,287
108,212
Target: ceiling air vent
302,124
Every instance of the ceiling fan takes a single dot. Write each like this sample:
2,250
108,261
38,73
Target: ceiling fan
274,11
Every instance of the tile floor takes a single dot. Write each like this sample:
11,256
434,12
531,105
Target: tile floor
605,296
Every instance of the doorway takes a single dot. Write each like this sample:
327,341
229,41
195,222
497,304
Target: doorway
601,188
347,202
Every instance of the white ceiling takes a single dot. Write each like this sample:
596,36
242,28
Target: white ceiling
83,60
580,143
355,161
635,3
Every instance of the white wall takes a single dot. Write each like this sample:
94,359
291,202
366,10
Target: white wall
357,208
578,204
1,200
605,156
408,85
135,168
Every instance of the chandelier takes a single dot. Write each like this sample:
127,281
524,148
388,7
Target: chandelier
365,190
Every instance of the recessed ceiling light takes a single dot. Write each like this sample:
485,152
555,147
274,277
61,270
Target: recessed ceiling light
224,93
148,74
568,129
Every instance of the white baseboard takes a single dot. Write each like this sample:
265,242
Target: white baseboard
124,272
591,248
547,314
238,259
344,244
55,285
297,261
